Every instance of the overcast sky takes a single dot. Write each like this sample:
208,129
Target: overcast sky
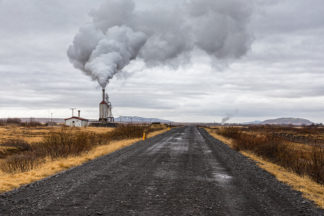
280,76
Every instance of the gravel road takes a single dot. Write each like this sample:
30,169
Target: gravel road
182,172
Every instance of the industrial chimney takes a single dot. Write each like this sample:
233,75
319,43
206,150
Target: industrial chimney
79,113
105,114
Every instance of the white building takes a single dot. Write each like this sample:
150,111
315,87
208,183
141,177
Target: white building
76,121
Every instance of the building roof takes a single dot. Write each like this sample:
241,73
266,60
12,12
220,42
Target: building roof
75,117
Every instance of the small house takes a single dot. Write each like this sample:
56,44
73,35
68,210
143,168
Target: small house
76,121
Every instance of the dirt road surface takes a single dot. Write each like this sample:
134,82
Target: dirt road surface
182,172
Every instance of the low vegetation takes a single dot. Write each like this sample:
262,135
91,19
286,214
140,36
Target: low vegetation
303,159
18,122
35,134
306,135
297,164
20,156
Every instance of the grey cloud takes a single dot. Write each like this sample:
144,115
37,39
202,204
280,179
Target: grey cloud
289,16
281,75
25,16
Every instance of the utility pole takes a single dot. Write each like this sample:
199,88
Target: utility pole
51,119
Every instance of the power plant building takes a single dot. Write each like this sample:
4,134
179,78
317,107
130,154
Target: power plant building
105,114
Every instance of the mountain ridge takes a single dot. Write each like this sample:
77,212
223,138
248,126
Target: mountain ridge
283,121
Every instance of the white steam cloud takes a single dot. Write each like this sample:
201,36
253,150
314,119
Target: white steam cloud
120,33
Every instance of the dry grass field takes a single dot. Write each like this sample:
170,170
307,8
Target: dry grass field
281,152
11,134
23,161
36,134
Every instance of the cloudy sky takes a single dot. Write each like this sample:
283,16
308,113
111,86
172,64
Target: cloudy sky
281,75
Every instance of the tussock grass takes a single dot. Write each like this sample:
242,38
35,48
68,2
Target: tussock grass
13,146
275,149
126,132
20,162
48,167
36,134
18,144
61,144
299,168
64,143
310,135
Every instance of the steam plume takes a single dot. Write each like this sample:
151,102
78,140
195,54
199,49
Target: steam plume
121,32
225,119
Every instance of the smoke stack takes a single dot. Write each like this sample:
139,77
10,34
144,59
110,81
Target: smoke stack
103,94
79,113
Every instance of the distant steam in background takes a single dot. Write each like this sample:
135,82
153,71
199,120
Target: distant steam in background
120,32
225,119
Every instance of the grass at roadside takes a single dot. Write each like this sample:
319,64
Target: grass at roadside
307,159
9,181
309,188
21,156
36,134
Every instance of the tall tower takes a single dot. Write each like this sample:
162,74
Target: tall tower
105,114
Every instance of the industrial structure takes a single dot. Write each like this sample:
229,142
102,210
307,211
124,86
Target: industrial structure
105,114
76,121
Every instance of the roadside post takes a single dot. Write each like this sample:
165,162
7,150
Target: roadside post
144,135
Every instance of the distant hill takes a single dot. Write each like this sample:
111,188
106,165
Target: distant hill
139,119
43,120
282,121
252,122
288,121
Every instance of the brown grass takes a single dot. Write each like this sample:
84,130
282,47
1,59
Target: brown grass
63,143
300,182
20,162
36,134
13,146
9,181
304,161
310,189
310,135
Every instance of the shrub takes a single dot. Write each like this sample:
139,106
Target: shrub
50,124
20,145
32,124
316,167
3,122
230,132
274,148
20,162
127,132
13,121
62,144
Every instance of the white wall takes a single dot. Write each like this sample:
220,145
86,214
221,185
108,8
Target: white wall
76,123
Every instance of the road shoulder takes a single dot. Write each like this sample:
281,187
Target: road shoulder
260,181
